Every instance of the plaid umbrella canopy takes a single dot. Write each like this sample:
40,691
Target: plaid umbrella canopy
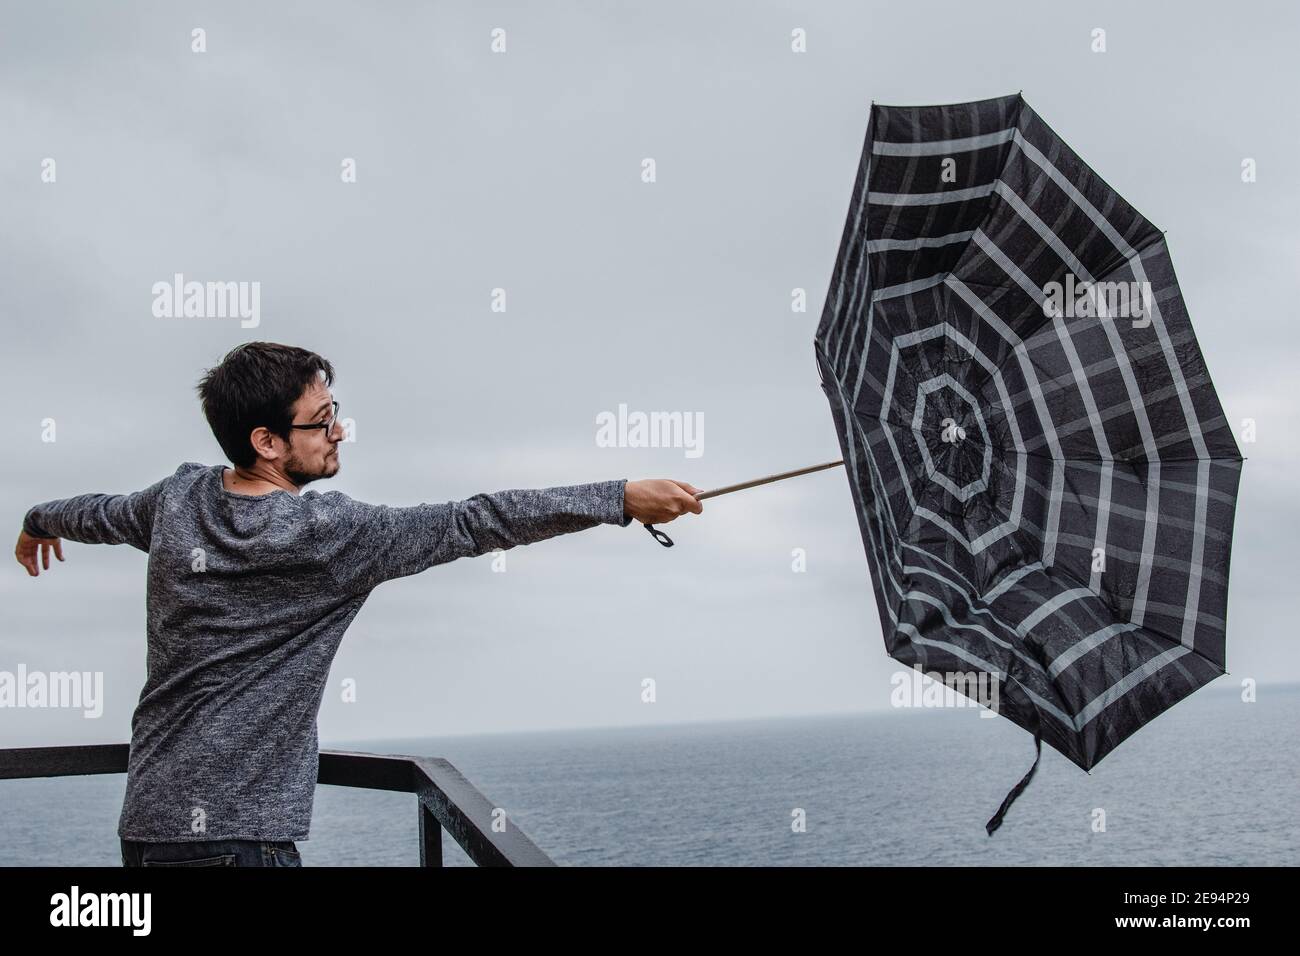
1044,478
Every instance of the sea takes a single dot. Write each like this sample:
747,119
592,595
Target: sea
1215,781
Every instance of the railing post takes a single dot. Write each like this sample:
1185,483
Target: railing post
430,837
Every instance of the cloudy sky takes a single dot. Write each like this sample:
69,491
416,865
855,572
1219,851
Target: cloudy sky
522,170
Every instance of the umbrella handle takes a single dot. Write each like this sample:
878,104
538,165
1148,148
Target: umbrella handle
667,542
659,536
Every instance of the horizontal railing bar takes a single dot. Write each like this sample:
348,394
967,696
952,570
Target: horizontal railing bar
18,762
458,806
345,768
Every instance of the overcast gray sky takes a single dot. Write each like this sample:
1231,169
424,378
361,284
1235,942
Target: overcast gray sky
522,170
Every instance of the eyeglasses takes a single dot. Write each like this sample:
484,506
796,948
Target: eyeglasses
327,424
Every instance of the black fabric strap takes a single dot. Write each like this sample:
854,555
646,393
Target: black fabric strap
659,536
1019,788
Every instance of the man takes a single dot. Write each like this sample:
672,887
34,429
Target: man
251,585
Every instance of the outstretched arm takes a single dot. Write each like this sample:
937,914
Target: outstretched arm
364,545
91,519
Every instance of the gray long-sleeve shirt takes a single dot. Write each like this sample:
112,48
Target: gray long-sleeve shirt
248,598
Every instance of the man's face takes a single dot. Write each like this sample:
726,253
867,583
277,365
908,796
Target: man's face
313,452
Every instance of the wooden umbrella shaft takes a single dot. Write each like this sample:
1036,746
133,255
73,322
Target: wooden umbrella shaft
762,481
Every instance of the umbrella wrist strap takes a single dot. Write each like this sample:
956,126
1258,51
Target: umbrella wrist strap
659,536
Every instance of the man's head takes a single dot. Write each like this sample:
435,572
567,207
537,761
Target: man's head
256,396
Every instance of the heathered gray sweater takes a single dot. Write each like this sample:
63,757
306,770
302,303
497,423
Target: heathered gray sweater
248,598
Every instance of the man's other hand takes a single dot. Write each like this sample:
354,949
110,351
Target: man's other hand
27,547
659,500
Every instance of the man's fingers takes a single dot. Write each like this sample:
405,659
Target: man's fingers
24,557
688,503
33,554
693,504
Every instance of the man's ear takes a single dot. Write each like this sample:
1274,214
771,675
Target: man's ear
265,443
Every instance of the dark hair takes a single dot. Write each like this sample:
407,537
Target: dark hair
257,384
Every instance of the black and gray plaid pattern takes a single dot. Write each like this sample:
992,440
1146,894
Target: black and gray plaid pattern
1044,495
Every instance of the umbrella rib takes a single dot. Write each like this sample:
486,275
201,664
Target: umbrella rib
1213,459
871,478
989,205
915,486
1105,274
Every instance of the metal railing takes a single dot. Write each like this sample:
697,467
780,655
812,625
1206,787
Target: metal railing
445,799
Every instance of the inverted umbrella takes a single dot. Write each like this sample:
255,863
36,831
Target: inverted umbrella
1044,479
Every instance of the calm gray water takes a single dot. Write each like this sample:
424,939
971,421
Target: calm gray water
1213,781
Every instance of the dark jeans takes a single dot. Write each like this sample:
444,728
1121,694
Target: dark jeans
211,853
